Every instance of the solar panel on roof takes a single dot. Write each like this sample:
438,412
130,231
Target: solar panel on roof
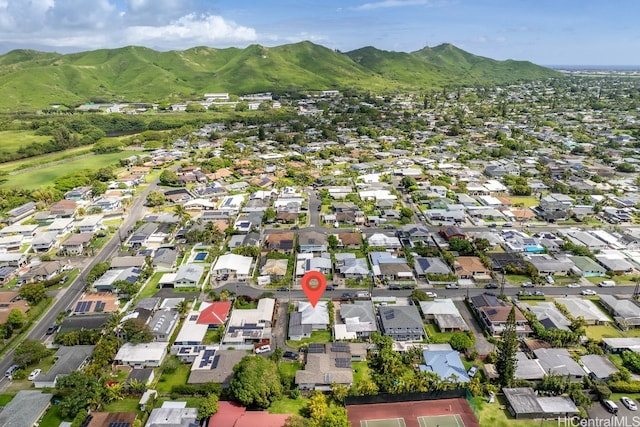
193,317
100,305
214,364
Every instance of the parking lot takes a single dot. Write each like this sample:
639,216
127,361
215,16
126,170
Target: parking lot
625,417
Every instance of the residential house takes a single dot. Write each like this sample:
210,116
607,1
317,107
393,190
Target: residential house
164,259
446,365
558,361
64,208
234,265
584,308
587,267
44,242
353,268
41,272
549,316
215,366
325,365
79,194
142,235
67,360
11,243
548,265
26,408
120,262
348,240
615,262
449,232
471,268
625,311
493,314
76,244
173,416
381,240
275,268
312,241
21,212
28,231
107,204
105,282
188,343
90,224
445,314
233,414
145,355
6,274
188,276
214,314
358,321
11,300
101,302
248,327
619,345
17,260
402,323
599,368
425,266
524,402
163,323
280,242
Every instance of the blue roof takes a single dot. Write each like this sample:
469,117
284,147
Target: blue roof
445,364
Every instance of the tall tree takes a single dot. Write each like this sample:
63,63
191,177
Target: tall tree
507,347
255,382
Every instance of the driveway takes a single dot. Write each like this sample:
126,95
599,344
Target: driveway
624,418
483,347
281,328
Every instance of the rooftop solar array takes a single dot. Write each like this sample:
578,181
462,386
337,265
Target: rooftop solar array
214,363
100,305
83,306
343,362
315,348
340,347
207,358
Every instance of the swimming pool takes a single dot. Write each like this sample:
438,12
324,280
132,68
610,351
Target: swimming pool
200,256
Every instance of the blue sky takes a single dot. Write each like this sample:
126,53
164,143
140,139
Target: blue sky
559,32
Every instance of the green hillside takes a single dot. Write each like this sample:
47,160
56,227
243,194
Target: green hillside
31,80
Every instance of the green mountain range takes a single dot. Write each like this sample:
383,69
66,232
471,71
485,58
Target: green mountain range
32,80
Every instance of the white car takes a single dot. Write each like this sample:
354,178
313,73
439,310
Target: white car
34,374
263,349
573,285
431,294
629,403
588,292
451,286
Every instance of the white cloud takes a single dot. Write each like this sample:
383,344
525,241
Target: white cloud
190,30
80,14
392,3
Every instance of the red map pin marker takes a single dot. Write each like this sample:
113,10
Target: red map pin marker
313,285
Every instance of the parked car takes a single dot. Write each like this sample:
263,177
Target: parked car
539,293
573,285
507,224
550,280
263,349
408,287
472,371
53,328
431,295
629,403
588,292
394,288
329,288
290,355
491,286
607,284
283,288
527,285
451,286
12,369
610,405
348,295
34,374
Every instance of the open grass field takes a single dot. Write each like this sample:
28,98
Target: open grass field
44,158
12,140
45,176
286,405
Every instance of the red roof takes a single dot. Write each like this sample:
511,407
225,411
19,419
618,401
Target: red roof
215,314
231,414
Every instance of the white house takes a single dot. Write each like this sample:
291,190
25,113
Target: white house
145,355
233,264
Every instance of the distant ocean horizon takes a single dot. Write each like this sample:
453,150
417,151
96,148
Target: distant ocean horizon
596,67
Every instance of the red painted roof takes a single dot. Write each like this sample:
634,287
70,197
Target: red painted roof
231,414
215,314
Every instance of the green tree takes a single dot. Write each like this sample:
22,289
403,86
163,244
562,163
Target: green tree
461,341
168,177
136,331
155,198
507,347
29,352
16,319
208,406
78,391
256,382
333,242
461,246
96,271
33,293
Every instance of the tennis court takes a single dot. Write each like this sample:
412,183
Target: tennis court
387,422
441,421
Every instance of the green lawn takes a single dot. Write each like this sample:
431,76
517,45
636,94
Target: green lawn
517,279
492,415
129,404
602,331
527,202
286,405
52,417
361,372
179,377
435,335
36,178
6,398
12,140
316,337
151,288
289,368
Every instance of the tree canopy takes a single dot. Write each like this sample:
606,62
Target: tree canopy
256,382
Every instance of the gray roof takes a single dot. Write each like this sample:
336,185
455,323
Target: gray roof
91,321
25,408
173,417
400,318
296,328
548,314
363,310
624,309
190,272
522,400
557,405
68,359
431,265
600,366
222,373
528,369
558,361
